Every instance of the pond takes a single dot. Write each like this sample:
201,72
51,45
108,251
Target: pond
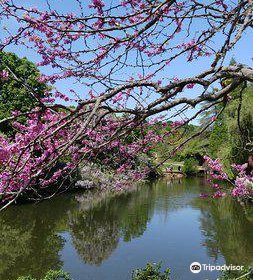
100,237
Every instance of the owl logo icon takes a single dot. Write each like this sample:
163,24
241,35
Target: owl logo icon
195,267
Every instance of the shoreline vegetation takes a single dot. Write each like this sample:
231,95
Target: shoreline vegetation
150,272
92,177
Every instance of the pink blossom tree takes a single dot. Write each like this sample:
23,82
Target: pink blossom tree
120,53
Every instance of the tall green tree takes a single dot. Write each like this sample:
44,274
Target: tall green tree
13,94
231,136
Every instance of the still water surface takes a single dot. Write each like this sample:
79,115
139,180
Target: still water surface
100,237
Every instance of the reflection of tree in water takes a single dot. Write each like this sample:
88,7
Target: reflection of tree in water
135,216
28,240
136,210
99,222
96,231
227,230
94,236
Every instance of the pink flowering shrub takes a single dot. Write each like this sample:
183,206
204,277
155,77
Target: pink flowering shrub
241,187
29,160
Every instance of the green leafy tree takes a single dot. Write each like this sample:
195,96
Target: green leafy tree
231,136
218,136
13,94
239,118
190,166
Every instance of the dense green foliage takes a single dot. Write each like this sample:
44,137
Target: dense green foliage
230,137
51,275
14,96
232,134
163,149
151,272
190,166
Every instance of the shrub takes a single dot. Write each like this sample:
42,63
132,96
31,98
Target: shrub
151,272
51,275
190,166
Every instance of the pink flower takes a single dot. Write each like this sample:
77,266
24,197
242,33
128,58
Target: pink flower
97,4
219,194
4,75
215,186
4,155
240,168
190,85
203,195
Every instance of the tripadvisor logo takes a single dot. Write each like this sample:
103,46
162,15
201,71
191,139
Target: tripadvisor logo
195,267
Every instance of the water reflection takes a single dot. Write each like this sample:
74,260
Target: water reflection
96,231
228,229
28,239
31,239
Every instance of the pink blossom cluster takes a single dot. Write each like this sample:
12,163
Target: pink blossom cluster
216,166
24,156
177,123
4,75
242,186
